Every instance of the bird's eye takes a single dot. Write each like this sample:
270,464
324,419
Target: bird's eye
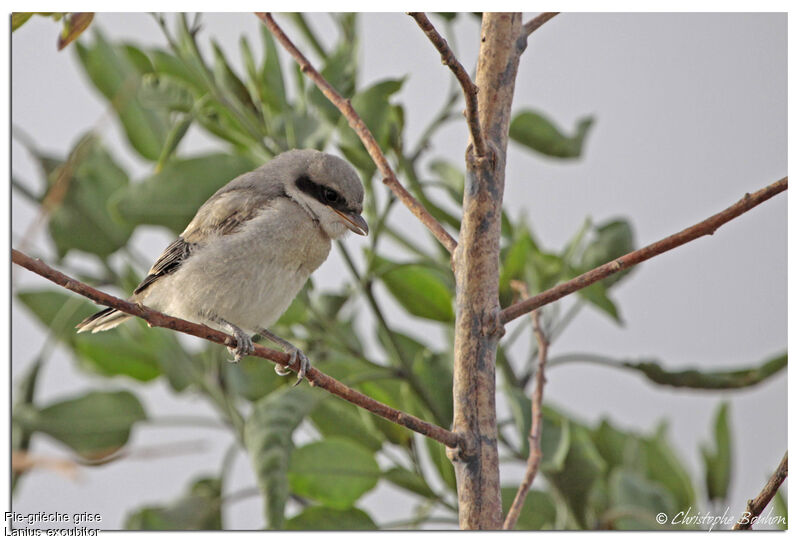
331,196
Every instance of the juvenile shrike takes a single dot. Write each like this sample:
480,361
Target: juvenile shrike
250,248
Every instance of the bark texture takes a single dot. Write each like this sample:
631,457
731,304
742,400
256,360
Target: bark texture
476,262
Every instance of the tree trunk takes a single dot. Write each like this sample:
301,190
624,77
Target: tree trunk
476,262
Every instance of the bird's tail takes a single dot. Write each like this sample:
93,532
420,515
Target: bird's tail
103,320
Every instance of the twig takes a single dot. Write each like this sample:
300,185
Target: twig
535,436
314,376
706,227
532,25
355,122
469,88
757,505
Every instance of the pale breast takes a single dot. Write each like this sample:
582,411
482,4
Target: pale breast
249,277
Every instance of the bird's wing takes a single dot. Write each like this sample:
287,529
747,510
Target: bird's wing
167,263
223,214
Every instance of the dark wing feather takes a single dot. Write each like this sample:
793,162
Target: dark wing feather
175,254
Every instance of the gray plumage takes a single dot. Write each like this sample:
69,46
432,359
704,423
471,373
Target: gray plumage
250,248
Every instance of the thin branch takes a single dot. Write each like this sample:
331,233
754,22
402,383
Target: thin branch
535,436
532,25
469,88
357,124
706,227
314,376
757,505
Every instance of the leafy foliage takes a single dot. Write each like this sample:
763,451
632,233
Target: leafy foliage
595,476
537,132
199,510
94,425
717,457
268,438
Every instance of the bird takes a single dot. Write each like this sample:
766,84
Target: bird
250,248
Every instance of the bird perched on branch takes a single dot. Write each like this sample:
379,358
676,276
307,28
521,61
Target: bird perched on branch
250,248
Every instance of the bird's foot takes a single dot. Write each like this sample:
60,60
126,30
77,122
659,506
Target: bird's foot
297,359
244,344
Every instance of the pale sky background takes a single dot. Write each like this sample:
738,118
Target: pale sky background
691,113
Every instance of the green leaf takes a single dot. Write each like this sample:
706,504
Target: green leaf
537,132
451,178
597,295
268,440
81,221
435,372
709,380
131,350
781,510
635,501
447,16
229,81
515,259
385,123
323,518
171,197
336,418
168,65
664,467
611,240
717,457
94,425
544,271
251,378
271,84
199,510
308,34
20,436
555,441
117,76
18,19
421,290
296,313
134,350
410,481
538,513
165,92
57,310
617,448
340,71
335,471
174,137
583,469
444,466
392,393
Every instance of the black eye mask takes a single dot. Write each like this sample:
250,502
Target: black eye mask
323,194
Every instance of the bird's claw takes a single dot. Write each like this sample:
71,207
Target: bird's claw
296,356
244,346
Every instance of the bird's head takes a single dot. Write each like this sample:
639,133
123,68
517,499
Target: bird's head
327,187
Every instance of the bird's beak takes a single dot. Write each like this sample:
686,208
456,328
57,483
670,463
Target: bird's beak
354,222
